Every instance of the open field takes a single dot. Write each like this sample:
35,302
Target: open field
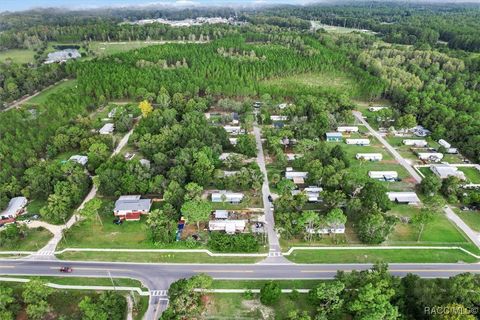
316,81
17,55
42,97
154,257
472,174
34,240
236,306
372,256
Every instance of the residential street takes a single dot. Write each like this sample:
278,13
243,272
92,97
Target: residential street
451,215
275,252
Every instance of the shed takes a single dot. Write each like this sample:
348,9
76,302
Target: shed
444,143
347,129
221,214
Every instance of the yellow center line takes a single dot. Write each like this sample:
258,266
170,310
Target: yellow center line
225,271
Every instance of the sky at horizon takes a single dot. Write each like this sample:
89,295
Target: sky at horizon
20,5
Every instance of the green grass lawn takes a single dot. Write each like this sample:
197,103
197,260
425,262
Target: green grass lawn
154,257
258,284
471,218
42,97
17,55
236,306
340,81
34,206
34,240
108,48
86,281
472,174
372,256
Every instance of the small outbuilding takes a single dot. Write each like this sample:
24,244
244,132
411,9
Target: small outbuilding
347,129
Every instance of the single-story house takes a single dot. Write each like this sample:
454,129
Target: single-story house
227,196
444,143
347,129
221,214
334,136
415,143
404,197
79,159
279,118
430,156
235,130
369,156
298,177
377,108
312,192
444,171
107,128
338,229
383,175
131,207
229,226
358,142
16,206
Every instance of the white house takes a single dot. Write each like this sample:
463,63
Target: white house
347,129
337,229
444,171
430,156
229,226
235,130
298,177
404,197
221,214
358,142
107,128
279,118
131,207
79,159
369,156
312,192
444,143
377,108
15,207
415,143
383,175
227,196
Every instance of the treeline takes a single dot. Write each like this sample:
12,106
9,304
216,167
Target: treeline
19,80
456,24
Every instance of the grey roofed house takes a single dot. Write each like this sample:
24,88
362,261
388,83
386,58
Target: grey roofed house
132,204
444,171
145,163
15,207
79,159
404,197
107,128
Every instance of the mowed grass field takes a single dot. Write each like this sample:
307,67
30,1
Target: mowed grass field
43,96
17,55
470,217
340,81
472,174
236,306
34,240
